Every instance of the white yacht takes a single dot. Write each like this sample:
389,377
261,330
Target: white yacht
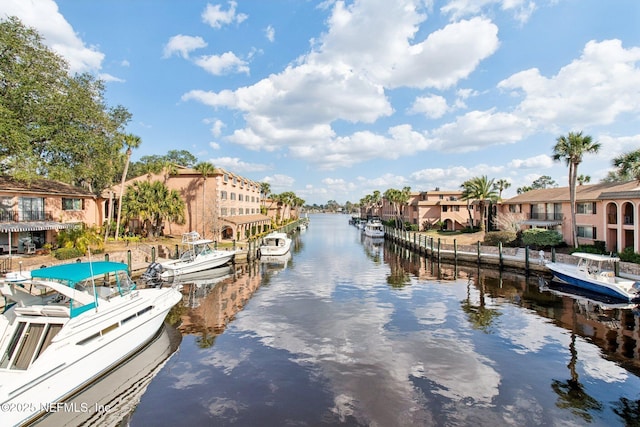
374,228
67,326
197,255
275,243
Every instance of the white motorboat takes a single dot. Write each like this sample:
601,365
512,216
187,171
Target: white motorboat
197,255
374,228
275,243
596,273
66,327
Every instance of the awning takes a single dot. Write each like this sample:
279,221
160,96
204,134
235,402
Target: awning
246,219
17,227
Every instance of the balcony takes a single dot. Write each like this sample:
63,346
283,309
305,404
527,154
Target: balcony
546,216
25,216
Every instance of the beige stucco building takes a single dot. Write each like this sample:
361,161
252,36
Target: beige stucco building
429,208
222,206
605,212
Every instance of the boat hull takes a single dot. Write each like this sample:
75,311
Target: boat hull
69,366
178,268
574,278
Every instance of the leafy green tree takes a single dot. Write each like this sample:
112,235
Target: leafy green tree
571,149
481,190
53,124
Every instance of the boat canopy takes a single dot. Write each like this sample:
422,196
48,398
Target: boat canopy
79,271
596,257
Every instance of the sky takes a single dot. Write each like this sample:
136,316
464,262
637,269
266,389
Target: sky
336,99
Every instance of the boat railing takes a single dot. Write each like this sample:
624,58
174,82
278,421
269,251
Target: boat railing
190,237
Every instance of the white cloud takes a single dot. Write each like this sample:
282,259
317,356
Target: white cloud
236,165
609,71
542,161
432,106
226,63
183,45
216,17
279,182
56,32
344,79
270,33
521,9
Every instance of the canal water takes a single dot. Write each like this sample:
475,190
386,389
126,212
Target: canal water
353,332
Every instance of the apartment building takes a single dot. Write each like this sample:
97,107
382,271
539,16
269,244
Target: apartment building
222,206
430,209
31,213
605,212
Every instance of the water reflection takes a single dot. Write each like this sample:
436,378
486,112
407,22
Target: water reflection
110,400
359,333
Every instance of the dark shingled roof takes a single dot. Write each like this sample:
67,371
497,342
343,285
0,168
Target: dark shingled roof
41,186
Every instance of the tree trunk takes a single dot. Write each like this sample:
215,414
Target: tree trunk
124,177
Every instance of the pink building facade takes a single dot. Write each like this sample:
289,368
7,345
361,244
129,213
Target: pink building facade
32,213
606,212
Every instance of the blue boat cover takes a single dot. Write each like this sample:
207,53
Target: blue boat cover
78,271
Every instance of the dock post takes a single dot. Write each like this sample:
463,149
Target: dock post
553,254
129,261
455,251
526,259
438,250
478,246
500,254
153,254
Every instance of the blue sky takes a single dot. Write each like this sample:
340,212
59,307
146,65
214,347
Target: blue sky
335,99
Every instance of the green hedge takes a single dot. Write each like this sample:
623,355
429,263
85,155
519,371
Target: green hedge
540,238
492,238
67,253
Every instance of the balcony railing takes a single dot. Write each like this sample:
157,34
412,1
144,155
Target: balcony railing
546,216
24,216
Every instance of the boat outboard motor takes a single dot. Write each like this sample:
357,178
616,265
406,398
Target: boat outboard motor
152,275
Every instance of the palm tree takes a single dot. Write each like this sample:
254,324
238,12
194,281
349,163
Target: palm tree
571,148
265,190
583,179
481,190
501,185
376,200
628,165
205,169
130,141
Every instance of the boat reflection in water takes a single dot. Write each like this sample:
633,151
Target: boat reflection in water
110,400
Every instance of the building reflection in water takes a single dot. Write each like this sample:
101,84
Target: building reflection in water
614,327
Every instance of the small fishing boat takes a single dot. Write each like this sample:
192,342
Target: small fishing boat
197,255
67,326
275,243
596,273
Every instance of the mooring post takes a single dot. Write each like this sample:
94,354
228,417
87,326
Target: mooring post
455,251
438,250
478,246
526,259
153,254
553,254
500,253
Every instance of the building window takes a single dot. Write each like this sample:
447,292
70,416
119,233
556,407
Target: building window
240,197
226,177
587,231
223,195
233,196
233,211
241,211
586,208
71,204
223,211
31,209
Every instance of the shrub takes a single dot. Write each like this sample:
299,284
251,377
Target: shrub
492,238
67,253
628,255
540,238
